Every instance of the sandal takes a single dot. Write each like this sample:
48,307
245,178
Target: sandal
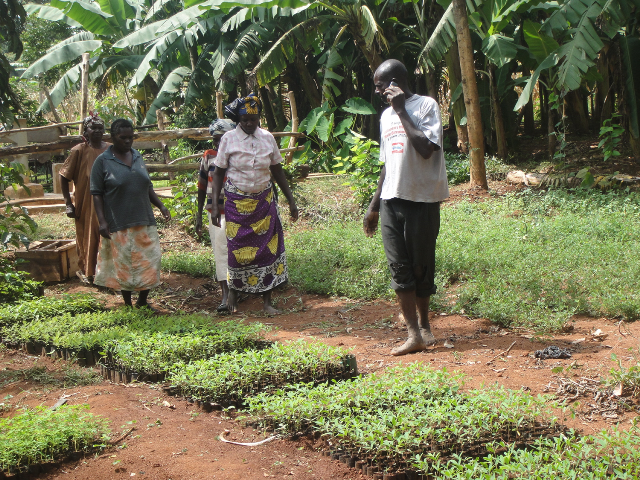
222,308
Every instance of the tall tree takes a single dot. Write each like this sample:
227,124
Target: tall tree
12,14
470,92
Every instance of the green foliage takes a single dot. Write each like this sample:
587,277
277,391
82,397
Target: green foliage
516,235
230,378
46,307
364,166
196,264
38,36
155,350
15,223
610,137
337,259
112,106
15,285
405,414
135,340
71,377
458,167
628,377
184,204
331,137
592,457
40,435
528,231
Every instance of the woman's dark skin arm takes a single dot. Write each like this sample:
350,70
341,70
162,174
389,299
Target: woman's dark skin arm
64,186
98,203
278,175
216,188
153,198
202,195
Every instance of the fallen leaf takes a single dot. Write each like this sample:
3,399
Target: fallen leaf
168,405
579,340
617,392
448,344
498,370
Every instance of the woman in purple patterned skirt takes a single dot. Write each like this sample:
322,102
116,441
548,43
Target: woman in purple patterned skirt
249,157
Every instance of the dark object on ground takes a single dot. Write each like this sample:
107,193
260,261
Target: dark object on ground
552,352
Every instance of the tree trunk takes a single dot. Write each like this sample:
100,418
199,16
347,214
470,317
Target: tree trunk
276,108
268,112
574,107
452,59
529,123
603,107
544,106
635,146
501,137
430,82
308,84
551,130
470,91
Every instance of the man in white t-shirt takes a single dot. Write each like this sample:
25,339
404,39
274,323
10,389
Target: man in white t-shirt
413,182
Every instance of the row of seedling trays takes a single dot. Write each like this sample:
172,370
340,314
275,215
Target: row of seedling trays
386,424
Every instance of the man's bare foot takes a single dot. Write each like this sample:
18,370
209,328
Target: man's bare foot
427,336
232,301
413,344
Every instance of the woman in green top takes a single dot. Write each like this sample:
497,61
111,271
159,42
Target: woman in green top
129,256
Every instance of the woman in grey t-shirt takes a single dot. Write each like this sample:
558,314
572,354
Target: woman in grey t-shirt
129,256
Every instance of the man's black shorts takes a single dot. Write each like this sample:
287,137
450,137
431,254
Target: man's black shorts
409,233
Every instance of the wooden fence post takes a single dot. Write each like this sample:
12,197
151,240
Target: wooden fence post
294,126
85,89
163,144
219,109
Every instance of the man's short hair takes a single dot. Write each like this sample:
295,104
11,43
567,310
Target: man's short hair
392,68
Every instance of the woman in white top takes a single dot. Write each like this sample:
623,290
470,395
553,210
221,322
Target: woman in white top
249,156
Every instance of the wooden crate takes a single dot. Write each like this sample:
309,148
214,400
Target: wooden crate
50,260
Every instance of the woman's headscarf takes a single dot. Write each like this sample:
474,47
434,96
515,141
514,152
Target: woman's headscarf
92,119
249,105
221,126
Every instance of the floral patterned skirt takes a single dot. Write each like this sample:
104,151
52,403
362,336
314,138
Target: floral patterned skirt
130,260
257,261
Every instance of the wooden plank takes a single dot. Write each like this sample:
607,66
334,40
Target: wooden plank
180,167
69,141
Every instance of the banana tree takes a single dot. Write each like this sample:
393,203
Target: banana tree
10,13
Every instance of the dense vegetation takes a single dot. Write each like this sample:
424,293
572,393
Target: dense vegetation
573,59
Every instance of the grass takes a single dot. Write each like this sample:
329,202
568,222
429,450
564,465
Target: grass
535,259
530,259
200,264
70,377
54,227
40,436
338,260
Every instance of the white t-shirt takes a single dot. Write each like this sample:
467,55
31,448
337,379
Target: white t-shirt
409,176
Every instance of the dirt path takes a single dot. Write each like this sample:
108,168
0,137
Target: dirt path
179,441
